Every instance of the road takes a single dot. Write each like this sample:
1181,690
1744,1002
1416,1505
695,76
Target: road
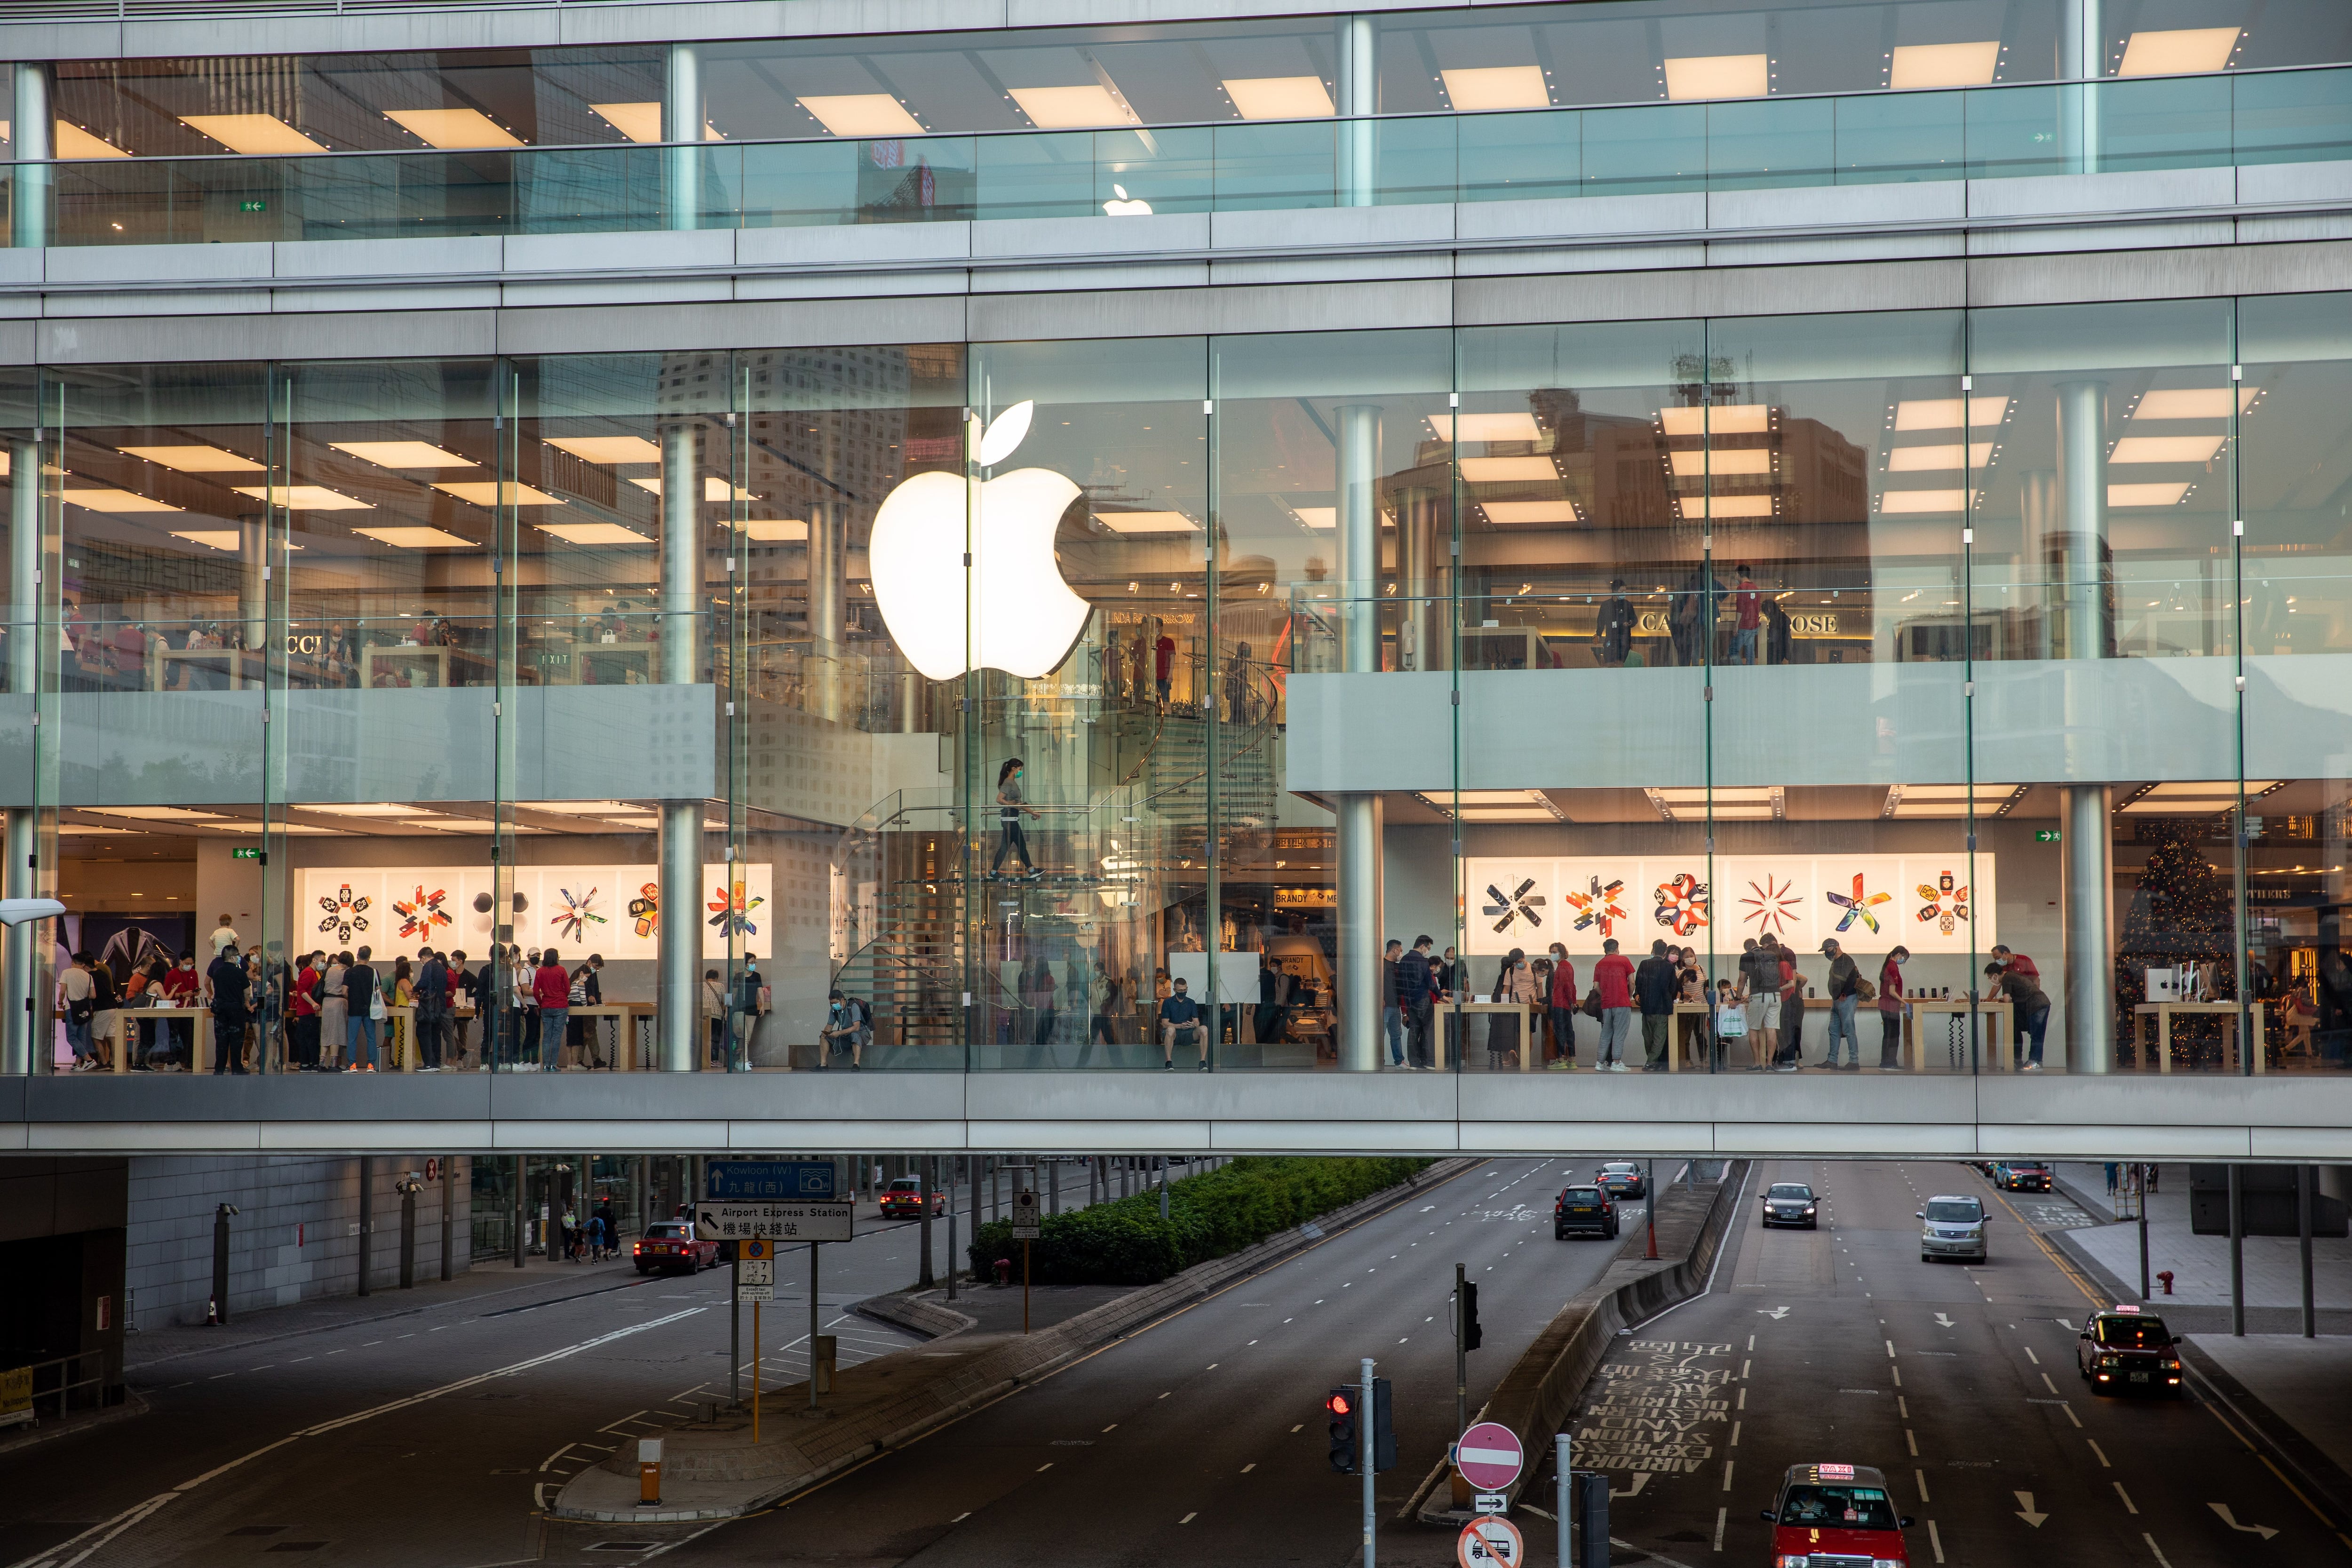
428,1439
1202,1439
1960,1382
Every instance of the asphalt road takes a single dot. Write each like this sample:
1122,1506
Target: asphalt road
1202,1439
1960,1382
428,1439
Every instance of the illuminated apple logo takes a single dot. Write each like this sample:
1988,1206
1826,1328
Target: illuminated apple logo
1029,619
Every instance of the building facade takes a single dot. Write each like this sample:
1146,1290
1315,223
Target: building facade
636,480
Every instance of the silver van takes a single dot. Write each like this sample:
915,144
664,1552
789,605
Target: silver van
1952,1227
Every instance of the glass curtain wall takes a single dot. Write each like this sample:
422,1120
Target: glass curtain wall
1002,689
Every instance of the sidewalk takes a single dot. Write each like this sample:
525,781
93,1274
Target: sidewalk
496,1285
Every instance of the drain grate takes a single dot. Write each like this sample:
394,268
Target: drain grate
623,1546
258,1529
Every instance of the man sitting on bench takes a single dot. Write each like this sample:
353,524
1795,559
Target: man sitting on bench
1179,1025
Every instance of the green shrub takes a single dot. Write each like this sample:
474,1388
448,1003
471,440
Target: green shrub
1210,1215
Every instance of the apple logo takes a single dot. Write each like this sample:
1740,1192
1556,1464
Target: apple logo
1125,206
1029,619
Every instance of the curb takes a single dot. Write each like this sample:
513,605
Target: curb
902,1309
999,1371
133,1404
1542,1387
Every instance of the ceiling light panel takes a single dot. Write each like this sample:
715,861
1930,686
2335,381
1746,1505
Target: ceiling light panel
713,487
1949,414
112,500
455,130
73,141
1943,65
1700,464
260,135
2145,495
404,454
862,114
1489,427
1481,89
2167,448
1503,470
637,121
777,530
1723,419
416,538
1520,513
2178,51
194,460
1936,459
303,497
1725,506
492,492
592,533
1077,108
1280,98
1718,75
1895,503
607,450
1147,522
2191,402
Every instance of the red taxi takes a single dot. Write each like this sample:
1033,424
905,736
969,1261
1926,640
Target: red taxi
1836,1516
671,1244
905,1197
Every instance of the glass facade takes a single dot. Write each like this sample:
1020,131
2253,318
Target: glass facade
1935,691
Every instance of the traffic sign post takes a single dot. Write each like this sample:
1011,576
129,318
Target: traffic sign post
1025,1231
755,1270
1489,1456
769,1181
733,1221
1490,1542
1364,1464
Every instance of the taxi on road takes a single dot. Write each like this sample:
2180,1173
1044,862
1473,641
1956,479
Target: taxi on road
2022,1177
2128,1351
1836,1516
672,1244
905,1197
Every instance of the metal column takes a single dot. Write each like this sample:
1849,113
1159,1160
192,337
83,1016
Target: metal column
2303,1242
2081,618
2238,1250
2082,51
367,1218
683,118
32,135
828,582
252,578
677,1018
1357,48
1360,835
18,989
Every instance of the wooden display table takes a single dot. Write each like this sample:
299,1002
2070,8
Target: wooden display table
1522,1010
119,1028
2000,1015
2164,1013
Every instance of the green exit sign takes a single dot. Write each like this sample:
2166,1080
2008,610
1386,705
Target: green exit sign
246,852
2046,835
253,205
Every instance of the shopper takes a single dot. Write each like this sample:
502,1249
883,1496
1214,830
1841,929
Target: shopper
551,987
1654,985
1414,975
225,938
304,1009
1791,1053
1730,1018
1392,1007
1845,992
363,1004
180,986
334,1012
1560,1001
1163,660
80,1009
1759,994
1448,979
1180,1023
843,1030
1749,617
226,988
464,1001
1694,1012
1891,1009
429,995
2031,1008
1613,978
2017,963
587,991
1514,982
713,1008
1011,807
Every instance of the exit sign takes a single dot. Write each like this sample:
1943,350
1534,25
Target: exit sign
246,852
2046,835
253,205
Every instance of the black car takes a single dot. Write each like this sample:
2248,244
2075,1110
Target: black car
1622,1179
2025,1176
1791,1202
1583,1211
2128,1351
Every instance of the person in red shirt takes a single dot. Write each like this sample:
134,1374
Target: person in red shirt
1793,1013
2017,963
1614,977
179,986
305,1006
1891,1007
551,987
1562,1003
1164,659
1749,606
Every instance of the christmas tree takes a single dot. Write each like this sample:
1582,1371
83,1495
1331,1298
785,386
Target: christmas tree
2179,914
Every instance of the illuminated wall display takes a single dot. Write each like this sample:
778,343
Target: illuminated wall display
1928,903
614,910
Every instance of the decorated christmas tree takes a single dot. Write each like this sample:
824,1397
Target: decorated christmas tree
2179,914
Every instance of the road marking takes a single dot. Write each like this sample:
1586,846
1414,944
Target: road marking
1935,1541
298,1360
1043,1468
2102,1453
1165,1395
2152,1546
2047,1383
2025,1510
1911,1438
1190,1517
962,1517
2127,1496
1293,1431
1921,1477
1890,1350
1719,1516
1727,1474
1743,1400
2265,1530
1743,1372
1248,1467
265,1366
2031,1357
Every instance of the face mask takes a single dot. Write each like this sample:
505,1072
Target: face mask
1901,962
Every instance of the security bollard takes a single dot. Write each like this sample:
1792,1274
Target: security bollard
649,1463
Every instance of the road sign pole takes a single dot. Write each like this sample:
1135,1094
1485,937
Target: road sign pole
755,1374
735,1332
1561,1491
814,1247
1364,1423
1024,1287
1460,1489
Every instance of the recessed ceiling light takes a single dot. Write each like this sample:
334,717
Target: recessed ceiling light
2191,402
2145,495
862,114
1944,413
1317,516
194,460
592,533
492,492
1724,506
1520,513
416,538
1502,470
1147,522
73,141
2167,450
1944,64
304,498
1280,98
379,809
2178,51
257,134
1932,459
156,813
1718,419
1487,427
777,530
577,807
1718,75
1484,88
404,454
228,539
713,487
1071,108
1739,460
455,129
607,449
1899,502
109,500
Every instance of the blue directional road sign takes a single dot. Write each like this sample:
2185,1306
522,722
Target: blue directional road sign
770,1181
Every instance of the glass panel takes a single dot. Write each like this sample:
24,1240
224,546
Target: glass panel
1628,152
1763,142
1262,166
2016,132
2291,118
2175,123
1416,159
1901,138
1519,157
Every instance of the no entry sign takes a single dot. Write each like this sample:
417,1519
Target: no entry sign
1489,1456
1493,1541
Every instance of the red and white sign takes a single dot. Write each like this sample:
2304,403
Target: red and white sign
1493,1541
1489,1456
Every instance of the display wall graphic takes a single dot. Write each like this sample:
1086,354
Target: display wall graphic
1928,903
614,910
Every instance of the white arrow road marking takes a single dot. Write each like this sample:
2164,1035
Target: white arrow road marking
2265,1530
2069,1327
1944,1322
1641,1479
98,1535
1775,1313
2025,1510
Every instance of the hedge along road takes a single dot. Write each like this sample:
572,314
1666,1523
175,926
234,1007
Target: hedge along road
1202,1438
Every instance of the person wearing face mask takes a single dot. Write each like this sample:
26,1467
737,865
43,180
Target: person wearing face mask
179,986
1891,1008
1011,808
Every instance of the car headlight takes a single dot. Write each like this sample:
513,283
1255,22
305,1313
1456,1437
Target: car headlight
1809,1208
1790,1560
1886,1563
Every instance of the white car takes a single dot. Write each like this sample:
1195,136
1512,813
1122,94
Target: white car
1952,1227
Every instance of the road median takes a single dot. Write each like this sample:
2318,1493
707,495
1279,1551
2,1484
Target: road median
712,1469
1542,1387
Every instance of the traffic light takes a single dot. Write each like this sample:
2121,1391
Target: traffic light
1341,1407
1470,1331
1383,1429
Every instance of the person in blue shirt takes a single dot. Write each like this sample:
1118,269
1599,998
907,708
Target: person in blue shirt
1180,1023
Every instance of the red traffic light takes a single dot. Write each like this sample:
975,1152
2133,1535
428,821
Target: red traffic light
1337,1405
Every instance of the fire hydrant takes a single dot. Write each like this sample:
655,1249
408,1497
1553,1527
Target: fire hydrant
1004,1271
2165,1278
